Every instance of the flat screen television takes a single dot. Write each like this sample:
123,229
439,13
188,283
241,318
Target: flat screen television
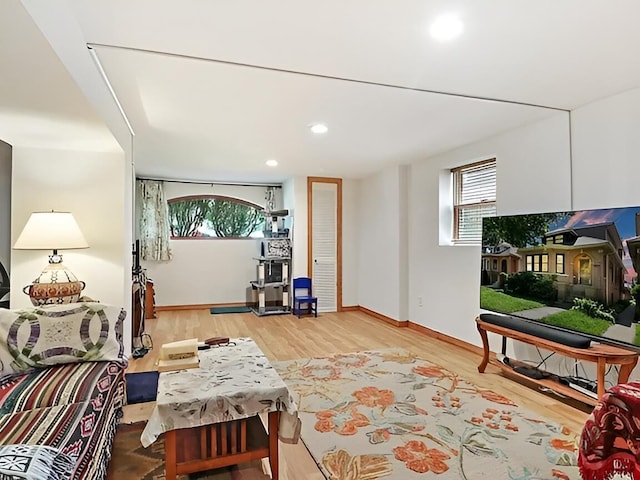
574,271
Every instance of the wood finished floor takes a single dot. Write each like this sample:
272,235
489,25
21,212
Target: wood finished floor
285,337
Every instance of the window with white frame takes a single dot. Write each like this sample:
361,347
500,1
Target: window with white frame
474,197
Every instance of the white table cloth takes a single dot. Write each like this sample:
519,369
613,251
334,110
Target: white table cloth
233,381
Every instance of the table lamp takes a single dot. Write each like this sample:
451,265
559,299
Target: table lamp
52,231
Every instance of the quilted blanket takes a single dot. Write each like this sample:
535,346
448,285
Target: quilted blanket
73,407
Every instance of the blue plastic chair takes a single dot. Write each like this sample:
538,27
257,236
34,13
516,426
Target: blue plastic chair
303,295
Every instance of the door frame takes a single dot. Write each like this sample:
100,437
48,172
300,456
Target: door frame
338,183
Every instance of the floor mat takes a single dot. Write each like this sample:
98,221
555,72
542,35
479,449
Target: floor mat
231,309
141,387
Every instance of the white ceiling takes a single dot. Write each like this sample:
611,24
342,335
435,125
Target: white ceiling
213,89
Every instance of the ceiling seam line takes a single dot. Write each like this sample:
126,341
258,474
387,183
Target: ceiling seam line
329,77
105,79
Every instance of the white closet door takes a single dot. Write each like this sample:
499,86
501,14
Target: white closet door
324,240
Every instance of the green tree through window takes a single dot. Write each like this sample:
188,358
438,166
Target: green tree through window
214,216
520,230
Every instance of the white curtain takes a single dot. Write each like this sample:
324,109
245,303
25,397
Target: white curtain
154,221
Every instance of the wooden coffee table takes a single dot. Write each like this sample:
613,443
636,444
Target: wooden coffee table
197,449
211,415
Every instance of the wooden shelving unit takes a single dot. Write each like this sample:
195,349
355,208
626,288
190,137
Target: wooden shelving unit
150,300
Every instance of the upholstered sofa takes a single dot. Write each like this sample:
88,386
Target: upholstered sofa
610,440
61,390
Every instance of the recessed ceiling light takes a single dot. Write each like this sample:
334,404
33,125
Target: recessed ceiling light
271,163
319,128
446,27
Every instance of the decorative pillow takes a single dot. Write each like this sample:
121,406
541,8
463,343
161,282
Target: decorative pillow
54,334
34,462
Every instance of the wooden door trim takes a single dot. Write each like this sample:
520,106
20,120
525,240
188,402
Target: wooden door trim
338,183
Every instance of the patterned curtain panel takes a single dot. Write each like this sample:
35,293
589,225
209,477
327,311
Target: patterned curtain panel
154,222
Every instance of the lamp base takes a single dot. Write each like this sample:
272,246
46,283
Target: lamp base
55,285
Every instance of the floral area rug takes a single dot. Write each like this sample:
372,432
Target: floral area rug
389,413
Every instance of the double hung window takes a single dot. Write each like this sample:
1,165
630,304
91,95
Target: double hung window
474,188
560,263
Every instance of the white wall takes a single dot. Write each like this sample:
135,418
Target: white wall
204,272
382,239
74,181
350,241
606,158
294,199
403,242
208,271
532,175
606,152
5,205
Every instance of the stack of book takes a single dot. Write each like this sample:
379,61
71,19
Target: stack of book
179,355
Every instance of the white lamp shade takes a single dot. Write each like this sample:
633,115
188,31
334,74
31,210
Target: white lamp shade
51,231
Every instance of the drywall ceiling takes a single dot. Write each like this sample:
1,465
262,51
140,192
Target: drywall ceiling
213,89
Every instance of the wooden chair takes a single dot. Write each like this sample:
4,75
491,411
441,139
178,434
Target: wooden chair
303,295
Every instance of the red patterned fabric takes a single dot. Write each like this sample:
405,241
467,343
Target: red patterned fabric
73,407
610,441
46,387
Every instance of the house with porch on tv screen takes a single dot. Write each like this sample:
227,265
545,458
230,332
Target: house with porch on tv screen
501,258
587,262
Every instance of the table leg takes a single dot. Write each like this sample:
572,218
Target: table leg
625,371
274,418
485,348
170,463
602,366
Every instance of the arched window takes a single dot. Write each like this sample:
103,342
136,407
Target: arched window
214,216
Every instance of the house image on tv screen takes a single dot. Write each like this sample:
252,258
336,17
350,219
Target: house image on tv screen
586,259
587,262
501,258
544,266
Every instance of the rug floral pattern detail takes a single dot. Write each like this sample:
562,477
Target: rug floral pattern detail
389,413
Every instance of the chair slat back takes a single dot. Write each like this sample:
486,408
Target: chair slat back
302,284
